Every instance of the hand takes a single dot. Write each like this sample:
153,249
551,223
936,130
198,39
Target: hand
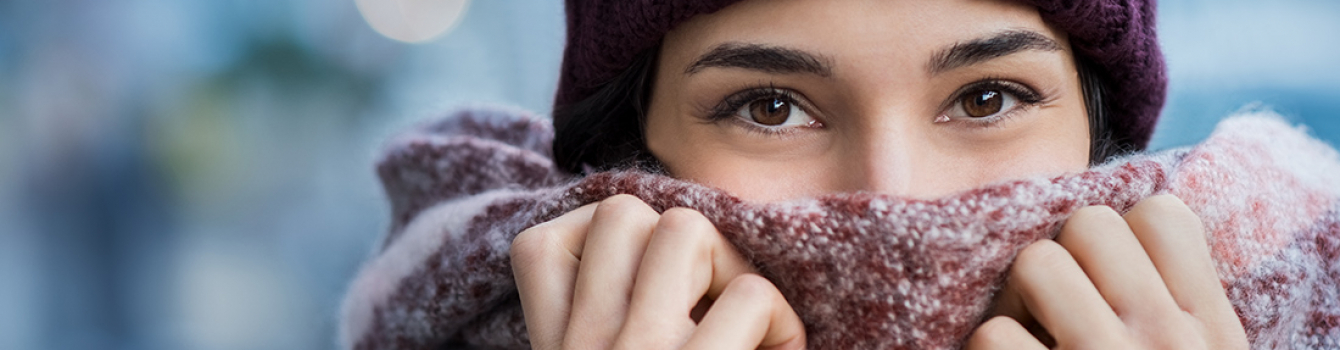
617,275
1144,281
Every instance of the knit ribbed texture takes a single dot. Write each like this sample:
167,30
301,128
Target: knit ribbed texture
863,271
604,36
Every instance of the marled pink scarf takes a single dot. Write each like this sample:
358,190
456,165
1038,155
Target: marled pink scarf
864,271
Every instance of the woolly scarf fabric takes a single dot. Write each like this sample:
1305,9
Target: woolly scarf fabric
863,271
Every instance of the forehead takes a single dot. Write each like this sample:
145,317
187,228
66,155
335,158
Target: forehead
853,31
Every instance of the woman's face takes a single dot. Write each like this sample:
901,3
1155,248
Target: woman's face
780,99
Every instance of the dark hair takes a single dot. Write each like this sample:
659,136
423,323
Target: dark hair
1102,144
606,130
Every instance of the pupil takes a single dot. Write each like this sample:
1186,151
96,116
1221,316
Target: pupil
985,98
770,112
983,104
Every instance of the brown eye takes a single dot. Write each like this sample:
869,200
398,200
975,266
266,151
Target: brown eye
770,111
983,103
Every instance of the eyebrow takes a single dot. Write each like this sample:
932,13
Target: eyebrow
984,49
770,59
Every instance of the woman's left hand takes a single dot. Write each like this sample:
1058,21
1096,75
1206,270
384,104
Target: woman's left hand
1143,281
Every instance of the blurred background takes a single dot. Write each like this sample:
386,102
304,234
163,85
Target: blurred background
198,174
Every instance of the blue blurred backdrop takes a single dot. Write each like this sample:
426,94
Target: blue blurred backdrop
197,174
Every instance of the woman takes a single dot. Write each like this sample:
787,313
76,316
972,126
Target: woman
777,100
853,174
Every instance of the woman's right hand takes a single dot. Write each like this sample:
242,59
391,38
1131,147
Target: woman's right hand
618,275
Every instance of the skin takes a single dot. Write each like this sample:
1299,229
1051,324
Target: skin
618,275
877,108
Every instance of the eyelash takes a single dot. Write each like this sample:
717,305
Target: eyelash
730,106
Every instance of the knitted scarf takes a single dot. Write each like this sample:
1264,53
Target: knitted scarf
863,270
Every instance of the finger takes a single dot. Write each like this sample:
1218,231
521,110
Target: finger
544,262
750,313
686,259
1175,241
1061,297
1108,252
1002,332
617,237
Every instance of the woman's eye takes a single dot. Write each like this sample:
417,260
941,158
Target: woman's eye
984,103
775,112
771,112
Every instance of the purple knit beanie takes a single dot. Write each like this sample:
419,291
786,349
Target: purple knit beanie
605,36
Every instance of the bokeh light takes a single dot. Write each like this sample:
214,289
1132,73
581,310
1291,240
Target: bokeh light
199,174
412,21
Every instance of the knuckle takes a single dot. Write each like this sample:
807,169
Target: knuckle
1165,202
754,293
618,205
1166,209
1094,217
683,220
996,332
623,209
688,228
754,286
529,249
531,241
1092,225
1040,258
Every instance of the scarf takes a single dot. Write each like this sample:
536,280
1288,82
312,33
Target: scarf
862,270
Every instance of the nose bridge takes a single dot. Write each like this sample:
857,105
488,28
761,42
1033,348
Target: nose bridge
885,149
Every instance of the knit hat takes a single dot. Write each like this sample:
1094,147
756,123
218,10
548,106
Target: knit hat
1117,36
